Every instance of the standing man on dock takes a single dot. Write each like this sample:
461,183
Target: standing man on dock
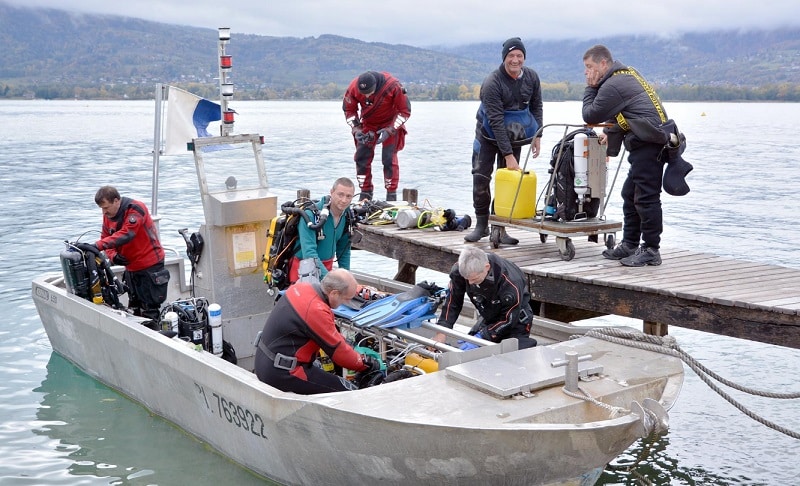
509,115
376,109
499,291
615,92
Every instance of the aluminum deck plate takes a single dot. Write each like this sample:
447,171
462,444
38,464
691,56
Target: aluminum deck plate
520,371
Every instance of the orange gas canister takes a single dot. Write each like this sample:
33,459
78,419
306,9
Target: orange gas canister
427,365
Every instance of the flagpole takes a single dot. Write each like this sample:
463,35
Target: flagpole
225,86
159,95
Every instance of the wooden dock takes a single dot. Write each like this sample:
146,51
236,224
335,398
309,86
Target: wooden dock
693,290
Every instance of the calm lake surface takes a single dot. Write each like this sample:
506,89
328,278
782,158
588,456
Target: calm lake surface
58,426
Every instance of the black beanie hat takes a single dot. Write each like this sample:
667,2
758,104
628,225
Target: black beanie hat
511,44
366,83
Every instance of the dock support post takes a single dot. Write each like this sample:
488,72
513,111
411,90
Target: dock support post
654,328
406,273
410,196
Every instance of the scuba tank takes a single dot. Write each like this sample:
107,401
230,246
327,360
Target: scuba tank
408,218
282,236
76,276
87,274
581,164
95,289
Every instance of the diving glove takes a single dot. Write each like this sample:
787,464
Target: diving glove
384,133
364,137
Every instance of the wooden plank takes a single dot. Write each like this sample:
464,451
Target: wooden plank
653,276
787,303
695,272
756,298
711,284
688,282
743,277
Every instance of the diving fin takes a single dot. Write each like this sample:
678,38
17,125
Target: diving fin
411,319
389,309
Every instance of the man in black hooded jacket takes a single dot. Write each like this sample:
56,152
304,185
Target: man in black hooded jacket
499,291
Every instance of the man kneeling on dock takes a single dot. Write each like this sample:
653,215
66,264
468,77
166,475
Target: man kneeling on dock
499,291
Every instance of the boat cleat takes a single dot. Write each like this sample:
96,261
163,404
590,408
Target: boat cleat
653,417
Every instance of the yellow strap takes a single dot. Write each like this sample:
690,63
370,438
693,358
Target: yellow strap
421,220
623,123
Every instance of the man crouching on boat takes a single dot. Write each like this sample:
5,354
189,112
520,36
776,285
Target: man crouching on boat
299,325
499,291
129,238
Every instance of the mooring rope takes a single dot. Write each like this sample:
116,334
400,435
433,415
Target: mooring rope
668,345
584,395
650,421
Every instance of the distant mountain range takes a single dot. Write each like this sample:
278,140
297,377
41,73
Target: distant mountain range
53,53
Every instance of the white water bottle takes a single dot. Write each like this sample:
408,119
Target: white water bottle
172,319
215,321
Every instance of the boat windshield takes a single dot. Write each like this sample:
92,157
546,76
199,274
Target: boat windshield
231,168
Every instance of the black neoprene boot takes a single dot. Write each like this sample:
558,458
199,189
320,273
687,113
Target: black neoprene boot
507,239
481,229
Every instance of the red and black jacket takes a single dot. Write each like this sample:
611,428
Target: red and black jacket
132,234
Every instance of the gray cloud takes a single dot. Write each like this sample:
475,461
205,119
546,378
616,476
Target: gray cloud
447,22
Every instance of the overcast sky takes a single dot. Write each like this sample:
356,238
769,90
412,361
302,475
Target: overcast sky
447,22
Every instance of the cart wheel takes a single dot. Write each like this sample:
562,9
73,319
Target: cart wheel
543,237
593,238
610,241
495,235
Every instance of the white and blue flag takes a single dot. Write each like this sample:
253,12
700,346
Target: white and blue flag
188,117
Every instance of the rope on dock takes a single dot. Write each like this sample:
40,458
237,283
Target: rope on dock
668,345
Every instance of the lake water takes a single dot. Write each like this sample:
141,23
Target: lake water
57,426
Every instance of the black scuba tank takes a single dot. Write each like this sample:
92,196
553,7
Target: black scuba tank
76,275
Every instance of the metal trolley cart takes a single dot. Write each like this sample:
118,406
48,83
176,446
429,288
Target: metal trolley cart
581,225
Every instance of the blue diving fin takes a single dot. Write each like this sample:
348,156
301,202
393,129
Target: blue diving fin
344,311
350,308
413,318
395,309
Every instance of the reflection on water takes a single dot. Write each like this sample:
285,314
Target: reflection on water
650,462
107,439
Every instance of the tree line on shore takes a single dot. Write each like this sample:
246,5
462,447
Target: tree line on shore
563,91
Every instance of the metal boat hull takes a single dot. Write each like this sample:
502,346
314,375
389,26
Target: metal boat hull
430,429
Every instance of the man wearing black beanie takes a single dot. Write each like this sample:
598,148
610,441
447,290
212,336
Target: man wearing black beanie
508,118
513,44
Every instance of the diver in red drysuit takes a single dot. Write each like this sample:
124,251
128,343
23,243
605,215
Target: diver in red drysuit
302,323
376,108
